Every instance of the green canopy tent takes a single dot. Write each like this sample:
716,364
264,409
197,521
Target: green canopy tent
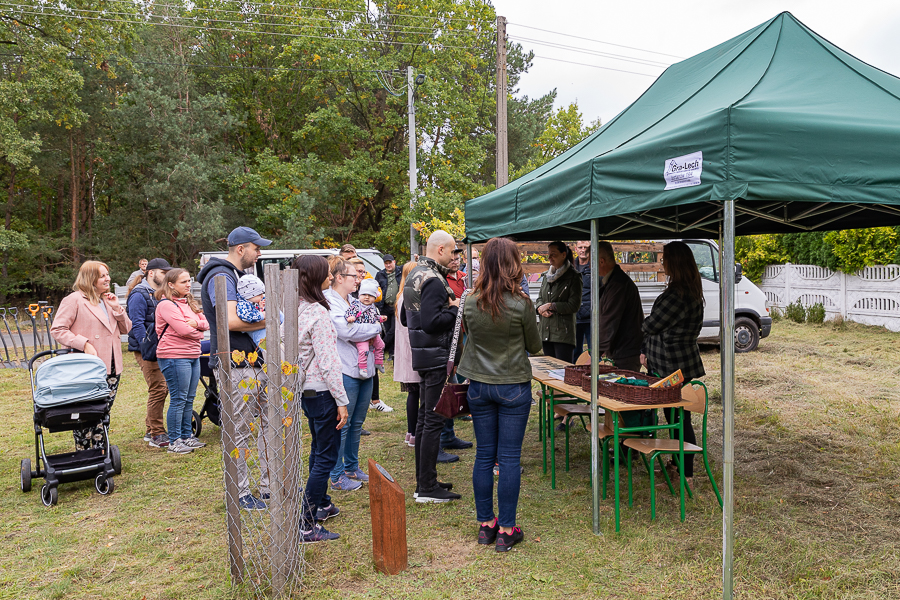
776,130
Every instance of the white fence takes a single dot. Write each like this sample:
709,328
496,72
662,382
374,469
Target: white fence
870,296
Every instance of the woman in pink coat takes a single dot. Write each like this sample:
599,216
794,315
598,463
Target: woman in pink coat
91,320
180,325
403,371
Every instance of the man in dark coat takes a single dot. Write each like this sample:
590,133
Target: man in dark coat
389,281
621,314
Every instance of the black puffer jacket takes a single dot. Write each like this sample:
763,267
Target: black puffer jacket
428,315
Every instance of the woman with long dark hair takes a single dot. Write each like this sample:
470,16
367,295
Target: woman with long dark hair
558,303
671,330
324,400
499,320
180,324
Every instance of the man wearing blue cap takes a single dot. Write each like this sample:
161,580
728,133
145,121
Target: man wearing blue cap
244,248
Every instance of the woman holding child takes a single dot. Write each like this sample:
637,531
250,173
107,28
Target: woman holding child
179,325
347,475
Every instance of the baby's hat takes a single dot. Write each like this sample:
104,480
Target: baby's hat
250,286
368,287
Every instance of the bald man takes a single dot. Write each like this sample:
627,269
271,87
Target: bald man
429,311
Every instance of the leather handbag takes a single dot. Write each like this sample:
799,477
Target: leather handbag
454,397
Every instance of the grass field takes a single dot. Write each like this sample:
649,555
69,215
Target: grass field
817,502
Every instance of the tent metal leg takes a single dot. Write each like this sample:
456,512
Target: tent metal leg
727,351
595,342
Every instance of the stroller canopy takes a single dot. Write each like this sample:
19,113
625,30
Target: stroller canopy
69,379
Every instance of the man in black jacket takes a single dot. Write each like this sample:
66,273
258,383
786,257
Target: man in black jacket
244,248
621,314
389,281
429,311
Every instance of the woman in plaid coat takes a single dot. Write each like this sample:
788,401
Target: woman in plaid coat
671,329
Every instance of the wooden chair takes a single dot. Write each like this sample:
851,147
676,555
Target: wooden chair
652,449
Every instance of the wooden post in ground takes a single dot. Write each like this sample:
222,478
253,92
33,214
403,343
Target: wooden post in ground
290,293
273,447
388,507
229,448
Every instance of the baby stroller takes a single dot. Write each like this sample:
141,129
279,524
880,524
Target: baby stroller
70,392
210,408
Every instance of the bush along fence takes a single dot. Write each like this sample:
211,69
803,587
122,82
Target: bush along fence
19,343
262,444
869,296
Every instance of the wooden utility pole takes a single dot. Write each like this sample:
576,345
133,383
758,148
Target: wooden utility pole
502,146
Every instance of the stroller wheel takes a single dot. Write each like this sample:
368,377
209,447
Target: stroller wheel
116,458
104,485
25,480
49,495
196,424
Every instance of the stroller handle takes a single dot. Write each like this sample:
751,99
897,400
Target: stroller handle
58,351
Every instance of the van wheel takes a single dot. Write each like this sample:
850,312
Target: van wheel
746,335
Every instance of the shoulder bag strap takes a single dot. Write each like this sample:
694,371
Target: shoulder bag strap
456,328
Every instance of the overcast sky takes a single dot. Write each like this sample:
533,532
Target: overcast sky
867,29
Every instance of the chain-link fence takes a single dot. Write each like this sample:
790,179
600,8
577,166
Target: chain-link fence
262,444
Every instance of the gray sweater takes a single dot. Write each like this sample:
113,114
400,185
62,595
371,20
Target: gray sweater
348,334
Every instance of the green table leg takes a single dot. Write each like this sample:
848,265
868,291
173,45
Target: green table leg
552,431
616,466
681,456
542,424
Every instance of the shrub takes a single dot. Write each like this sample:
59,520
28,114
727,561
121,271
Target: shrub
838,323
816,313
795,312
776,314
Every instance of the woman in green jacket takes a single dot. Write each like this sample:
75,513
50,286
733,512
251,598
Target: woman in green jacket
499,320
558,302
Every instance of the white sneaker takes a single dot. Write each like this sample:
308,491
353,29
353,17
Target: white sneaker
382,406
193,442
179,447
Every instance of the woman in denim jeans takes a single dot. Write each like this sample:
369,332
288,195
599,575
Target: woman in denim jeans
501,327
180,325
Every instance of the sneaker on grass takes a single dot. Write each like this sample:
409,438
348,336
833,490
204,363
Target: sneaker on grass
251,502
505,541
357,475
179,447
380,405
437,495
147,437
159,441
193,442
326,512
317,534
345,484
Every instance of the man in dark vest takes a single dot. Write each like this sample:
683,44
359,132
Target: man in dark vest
429,311
244,248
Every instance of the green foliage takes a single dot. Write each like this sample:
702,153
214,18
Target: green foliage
755,252
816,313
854,249
795,312
564,129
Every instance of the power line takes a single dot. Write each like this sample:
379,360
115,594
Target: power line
594,66
394,27
593,40
244,31
622,57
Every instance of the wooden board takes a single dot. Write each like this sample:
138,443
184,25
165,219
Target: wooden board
387,504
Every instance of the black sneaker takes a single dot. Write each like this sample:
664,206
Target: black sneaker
487,534
457,444
446,457
505,541
364,432
438,494
446,485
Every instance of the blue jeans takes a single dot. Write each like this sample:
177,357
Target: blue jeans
182,376
359,392
499,416
321,413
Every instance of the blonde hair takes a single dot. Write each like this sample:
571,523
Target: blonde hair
165,292
407,269
88,274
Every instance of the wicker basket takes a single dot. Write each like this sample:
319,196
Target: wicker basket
574,375
633,394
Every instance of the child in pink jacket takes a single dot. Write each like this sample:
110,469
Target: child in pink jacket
179,325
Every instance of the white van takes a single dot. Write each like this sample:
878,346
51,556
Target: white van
752,320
